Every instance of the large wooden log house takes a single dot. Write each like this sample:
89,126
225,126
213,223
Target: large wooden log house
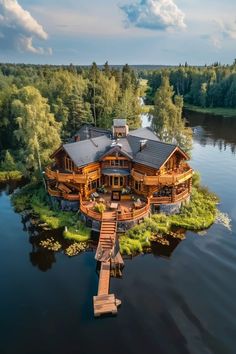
131,171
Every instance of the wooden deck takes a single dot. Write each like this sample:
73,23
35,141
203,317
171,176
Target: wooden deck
105,303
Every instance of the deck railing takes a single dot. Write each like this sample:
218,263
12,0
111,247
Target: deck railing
72,177
67,196
170,199
165,179
125,216
89,212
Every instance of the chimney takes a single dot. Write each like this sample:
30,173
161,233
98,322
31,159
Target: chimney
77,137
143,143
120,129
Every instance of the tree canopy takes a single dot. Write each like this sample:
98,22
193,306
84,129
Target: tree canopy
167,118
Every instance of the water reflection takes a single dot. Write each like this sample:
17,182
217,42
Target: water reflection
213,130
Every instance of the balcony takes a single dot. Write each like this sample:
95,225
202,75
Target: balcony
72,177
174,178
170,199
60,194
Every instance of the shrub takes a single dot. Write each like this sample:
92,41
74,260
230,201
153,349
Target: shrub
99,207
197,215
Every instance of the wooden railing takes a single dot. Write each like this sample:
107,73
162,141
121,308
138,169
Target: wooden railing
72,177
132,215
167,200
54,193
165,179
161,200
181,196
67,196
89,212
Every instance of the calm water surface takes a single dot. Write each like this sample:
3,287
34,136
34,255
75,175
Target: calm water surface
181,303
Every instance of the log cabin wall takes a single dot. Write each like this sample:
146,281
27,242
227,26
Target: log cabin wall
59,160
145,170
116,162
92,167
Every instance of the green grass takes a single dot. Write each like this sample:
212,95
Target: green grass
79,232
199,214
218,111
33,196
10,175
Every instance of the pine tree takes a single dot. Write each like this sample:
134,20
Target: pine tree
8,164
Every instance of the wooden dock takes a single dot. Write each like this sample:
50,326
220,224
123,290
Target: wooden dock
105,303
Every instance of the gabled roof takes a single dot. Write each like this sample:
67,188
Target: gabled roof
87,151
88,131
116,148
154,153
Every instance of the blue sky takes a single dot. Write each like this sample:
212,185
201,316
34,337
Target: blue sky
124,31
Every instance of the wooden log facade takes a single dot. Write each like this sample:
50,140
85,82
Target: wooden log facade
156,172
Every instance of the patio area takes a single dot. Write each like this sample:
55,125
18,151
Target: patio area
128,208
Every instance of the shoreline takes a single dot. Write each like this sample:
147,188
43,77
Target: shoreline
216,111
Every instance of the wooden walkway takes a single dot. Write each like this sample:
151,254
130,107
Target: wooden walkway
104,302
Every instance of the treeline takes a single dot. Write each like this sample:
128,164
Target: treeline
208,86
42,105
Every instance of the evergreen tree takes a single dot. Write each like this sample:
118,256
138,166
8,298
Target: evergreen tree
167,118
8,164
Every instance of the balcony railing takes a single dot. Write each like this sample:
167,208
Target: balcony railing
67,196
170,199
72,177
165,179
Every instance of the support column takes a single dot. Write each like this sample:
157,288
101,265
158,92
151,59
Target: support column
173,194
190,185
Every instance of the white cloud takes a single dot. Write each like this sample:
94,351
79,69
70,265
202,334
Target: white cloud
223,30
154,14
18,28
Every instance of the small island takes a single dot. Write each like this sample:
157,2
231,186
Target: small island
102,171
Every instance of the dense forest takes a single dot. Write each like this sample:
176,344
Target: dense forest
43,105
208,86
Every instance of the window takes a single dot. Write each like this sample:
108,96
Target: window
137,186
69,165
116,181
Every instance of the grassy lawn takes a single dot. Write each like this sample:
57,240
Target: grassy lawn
199,214
34,197
217,111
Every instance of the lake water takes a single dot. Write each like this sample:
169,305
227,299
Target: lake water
179,301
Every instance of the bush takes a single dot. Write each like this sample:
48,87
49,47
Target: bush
10,175
200,213
99,207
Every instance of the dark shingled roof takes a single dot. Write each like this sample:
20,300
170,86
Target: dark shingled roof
88,131
144,133
87,151
154,153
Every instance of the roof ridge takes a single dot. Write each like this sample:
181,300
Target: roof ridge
156,141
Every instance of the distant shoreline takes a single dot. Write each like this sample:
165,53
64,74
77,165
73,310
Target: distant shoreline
217,111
